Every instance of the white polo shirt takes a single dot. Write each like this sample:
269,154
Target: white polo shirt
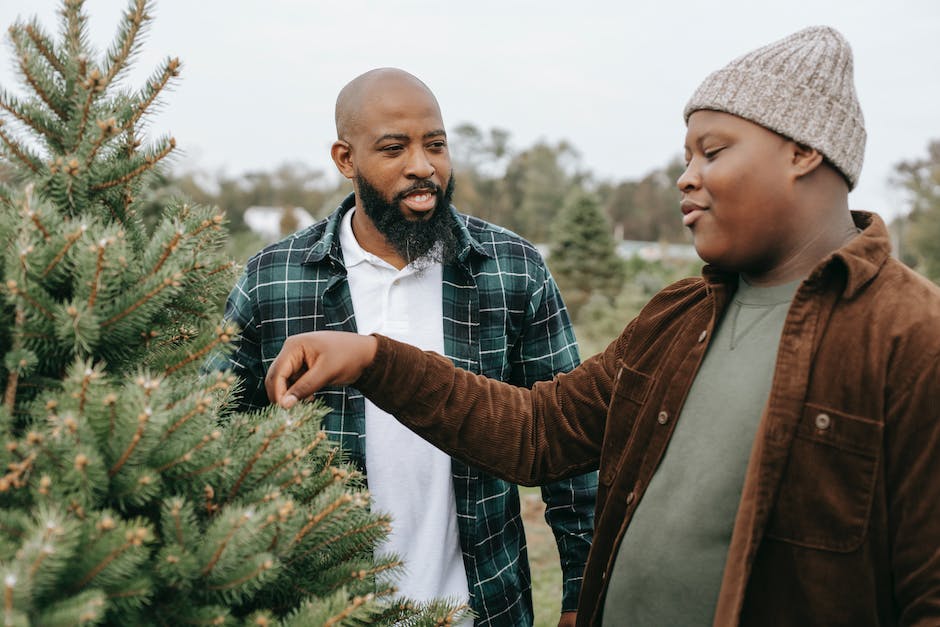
408,478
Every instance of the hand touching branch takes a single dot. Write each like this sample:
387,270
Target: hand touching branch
309,362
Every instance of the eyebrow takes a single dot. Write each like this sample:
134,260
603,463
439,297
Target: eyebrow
404,137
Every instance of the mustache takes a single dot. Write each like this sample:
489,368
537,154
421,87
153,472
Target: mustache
420,186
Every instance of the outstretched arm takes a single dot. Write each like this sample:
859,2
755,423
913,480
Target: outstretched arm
557,428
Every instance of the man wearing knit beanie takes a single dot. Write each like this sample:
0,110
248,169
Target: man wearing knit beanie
767,434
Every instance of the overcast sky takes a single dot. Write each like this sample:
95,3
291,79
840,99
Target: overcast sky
260,77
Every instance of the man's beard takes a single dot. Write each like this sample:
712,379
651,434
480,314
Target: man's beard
430,240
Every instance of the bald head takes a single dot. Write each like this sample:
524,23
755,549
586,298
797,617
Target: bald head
367,89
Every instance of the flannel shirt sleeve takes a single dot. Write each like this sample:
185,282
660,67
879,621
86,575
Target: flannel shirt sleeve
246,359
546,347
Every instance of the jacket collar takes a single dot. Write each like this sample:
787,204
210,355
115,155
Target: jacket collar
860,259
864,256
322,240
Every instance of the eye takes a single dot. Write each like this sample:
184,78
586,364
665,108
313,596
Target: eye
392,149
711,153
438,146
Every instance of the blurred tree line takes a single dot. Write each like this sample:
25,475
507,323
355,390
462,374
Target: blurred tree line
543,193
918,232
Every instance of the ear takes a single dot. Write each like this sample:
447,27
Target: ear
341,152
805,159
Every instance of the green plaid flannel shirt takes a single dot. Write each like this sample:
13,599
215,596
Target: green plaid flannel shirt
503,317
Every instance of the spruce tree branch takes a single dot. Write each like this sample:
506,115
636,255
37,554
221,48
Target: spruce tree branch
228,265
343,499
198,410
111,403
291,456
86,108
263,566
74,26
201,471
16,291
185,457
361,575
167,251
83,395
70,240
177,524
19,153
133,21
170,247
134,540
34,218
44,46
224,544
349,533
146,297
251,463
40,91
9,395
170,72
191,357
126,594
41,557
14,478
223,382
355,604
99,271
8,595
7,105
142,420
108,129
127,199
150,161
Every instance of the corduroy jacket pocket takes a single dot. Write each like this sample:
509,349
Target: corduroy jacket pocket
828,485
630,391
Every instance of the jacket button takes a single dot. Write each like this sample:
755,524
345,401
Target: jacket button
631,497
702,336
823,421
663,417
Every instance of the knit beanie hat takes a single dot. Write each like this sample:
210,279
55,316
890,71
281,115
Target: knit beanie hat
801,87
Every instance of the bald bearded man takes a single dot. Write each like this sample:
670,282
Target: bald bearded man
397,258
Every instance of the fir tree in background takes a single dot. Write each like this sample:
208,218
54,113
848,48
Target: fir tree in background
583,257
126,498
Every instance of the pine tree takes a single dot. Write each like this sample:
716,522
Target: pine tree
129,493
583,257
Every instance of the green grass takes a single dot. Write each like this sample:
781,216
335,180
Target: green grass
543,559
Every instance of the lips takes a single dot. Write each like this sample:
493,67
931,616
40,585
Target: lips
420,200
691,212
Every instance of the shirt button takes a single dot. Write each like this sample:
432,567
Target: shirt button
662,418
631,497
702,336
823,421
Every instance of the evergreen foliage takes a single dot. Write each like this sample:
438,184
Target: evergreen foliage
920,231
583,257
129,494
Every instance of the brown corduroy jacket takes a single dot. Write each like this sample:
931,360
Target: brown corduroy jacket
839,519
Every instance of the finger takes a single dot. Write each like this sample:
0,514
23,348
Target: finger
309,383
285,368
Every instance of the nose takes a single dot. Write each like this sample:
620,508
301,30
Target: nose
418,165
689,179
